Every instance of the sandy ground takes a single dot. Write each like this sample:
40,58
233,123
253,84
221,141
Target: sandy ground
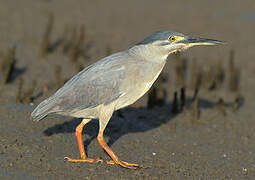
168,146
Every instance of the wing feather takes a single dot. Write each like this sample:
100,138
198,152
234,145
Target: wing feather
97,84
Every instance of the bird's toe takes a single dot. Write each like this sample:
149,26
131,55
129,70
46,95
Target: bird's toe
83,160
124,164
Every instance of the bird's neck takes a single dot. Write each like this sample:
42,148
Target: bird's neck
149,53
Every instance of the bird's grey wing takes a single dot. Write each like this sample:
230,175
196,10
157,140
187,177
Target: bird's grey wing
95,85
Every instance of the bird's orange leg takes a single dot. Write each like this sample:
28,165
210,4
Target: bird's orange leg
115,159
78,133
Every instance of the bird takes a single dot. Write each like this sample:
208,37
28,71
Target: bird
112,83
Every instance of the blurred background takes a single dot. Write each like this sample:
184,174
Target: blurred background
43,43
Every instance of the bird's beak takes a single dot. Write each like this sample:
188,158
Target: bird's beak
193,41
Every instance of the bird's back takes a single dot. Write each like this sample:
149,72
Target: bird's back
97,84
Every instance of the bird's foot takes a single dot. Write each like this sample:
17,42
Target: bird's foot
124,164
84,160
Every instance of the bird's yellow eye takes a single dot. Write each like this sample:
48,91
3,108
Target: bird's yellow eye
172,38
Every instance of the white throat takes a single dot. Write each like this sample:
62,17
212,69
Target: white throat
149,53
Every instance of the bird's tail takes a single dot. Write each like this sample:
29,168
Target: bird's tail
42,110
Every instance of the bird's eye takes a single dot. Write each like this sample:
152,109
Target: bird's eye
172,38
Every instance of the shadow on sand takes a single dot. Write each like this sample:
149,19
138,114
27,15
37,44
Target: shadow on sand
124,121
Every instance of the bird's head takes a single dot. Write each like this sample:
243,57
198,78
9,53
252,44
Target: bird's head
163,43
